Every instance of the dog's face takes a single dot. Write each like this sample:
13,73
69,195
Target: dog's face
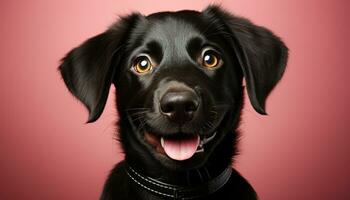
179,79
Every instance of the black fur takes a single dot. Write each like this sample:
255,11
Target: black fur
174,41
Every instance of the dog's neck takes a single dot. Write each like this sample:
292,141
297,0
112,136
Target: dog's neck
161,189
186,178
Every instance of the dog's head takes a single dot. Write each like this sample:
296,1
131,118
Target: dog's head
178,77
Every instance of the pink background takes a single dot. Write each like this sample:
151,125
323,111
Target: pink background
300,151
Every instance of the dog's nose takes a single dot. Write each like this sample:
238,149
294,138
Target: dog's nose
179,106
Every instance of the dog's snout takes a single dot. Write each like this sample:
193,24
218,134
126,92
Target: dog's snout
179,106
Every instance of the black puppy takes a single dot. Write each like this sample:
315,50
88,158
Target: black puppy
179,87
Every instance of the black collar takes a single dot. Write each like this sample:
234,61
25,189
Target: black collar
179,192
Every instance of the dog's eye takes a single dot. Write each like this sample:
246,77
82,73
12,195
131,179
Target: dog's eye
210,59
142,65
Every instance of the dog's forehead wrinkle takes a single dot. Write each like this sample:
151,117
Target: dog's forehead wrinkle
173,35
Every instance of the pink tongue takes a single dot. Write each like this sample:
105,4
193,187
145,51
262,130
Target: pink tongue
181,149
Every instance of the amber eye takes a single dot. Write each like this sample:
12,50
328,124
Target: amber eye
142,65
210,59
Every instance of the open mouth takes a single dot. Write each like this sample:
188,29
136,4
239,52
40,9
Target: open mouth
181,147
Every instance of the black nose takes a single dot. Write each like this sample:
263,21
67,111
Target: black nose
179,106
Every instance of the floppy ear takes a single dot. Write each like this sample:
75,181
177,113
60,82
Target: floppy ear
261,54
88,70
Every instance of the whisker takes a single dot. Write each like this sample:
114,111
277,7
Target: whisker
160,125
135,109
138,113
141,125
137,118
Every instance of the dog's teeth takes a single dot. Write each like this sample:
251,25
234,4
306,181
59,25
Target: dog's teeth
200,149
162,141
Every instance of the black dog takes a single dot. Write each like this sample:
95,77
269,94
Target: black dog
179,87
